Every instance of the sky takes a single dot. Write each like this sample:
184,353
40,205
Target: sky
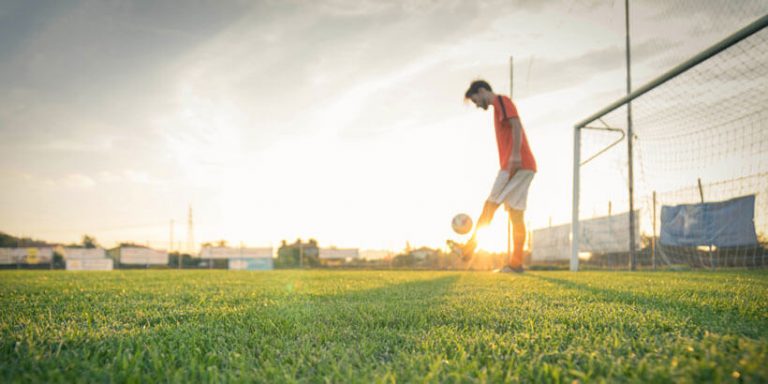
342,121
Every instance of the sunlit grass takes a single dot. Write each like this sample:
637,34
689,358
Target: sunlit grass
374,326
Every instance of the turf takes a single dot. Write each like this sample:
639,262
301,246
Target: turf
337,326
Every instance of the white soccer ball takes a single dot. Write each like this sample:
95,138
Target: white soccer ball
462,223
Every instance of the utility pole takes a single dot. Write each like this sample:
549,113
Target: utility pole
653,235
190,232
630,138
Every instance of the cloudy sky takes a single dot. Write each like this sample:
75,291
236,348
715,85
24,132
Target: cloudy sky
338,120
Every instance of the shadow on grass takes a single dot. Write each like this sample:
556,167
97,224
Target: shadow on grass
423,293
295,336
724,320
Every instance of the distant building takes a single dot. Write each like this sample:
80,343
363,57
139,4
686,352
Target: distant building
251,264
424,253
86,259
242,258
138,255
375,254
210,252
338,256
26,255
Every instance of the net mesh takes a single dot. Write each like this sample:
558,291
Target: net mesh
701,137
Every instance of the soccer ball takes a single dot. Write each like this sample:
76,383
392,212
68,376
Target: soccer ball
462,223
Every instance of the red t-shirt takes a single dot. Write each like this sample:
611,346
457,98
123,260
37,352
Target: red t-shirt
503,110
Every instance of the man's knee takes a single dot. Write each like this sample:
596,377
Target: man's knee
489,208
490,205
516,216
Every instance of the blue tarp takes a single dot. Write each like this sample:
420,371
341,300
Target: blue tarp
251,264
727,223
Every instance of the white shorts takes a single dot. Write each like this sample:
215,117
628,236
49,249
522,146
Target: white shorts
513,193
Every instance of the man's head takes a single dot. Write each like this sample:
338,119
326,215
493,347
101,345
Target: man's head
480,93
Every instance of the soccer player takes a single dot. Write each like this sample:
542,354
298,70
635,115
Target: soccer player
517,168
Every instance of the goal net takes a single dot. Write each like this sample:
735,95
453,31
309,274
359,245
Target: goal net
700,163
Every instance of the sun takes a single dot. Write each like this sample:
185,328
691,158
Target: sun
493,238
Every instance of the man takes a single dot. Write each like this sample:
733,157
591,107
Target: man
517,168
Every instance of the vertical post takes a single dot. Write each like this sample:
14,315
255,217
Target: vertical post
301,255
509,219
653,234
178,249
511,76
575,211
190,232
701,196
630,136
170,244
509,240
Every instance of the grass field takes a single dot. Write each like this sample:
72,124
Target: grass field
316,326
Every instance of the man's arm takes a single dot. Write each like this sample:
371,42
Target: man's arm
515,159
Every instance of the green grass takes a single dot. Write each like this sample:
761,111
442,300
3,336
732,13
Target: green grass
335,326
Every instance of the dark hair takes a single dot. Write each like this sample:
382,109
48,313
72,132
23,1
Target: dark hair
475,87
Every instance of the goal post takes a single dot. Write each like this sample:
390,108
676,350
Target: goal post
700,134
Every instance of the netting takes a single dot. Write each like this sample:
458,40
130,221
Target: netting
700,144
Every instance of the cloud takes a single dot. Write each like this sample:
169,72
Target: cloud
554,74
417,8
101,43
305,71
77,181
713,10
126,176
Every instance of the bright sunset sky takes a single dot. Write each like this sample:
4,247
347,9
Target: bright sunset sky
339,120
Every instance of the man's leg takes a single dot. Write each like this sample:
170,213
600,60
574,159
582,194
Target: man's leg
518,237
515,204
489,208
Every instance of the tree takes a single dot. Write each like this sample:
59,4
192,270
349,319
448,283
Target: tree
287,256
131,244
298,254
7,240
404,260
58,260
90,242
